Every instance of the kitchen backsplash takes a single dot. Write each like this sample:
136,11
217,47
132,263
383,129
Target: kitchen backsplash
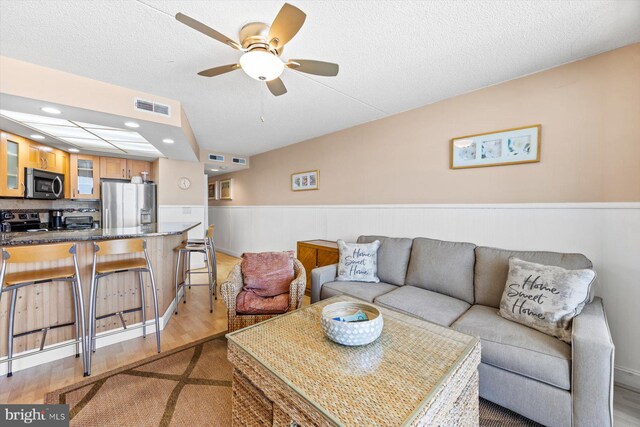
43,207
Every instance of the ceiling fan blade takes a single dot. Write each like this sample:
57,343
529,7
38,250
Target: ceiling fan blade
286,25
199,26
276,87
319,68
216,71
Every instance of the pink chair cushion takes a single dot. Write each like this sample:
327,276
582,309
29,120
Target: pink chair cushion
267,274
248,302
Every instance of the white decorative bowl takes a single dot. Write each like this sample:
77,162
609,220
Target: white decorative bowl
351,333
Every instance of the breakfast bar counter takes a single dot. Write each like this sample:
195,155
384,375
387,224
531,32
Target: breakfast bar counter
41,305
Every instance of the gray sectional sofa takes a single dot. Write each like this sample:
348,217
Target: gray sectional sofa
459,285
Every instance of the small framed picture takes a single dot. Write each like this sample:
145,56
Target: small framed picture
213,190
505,147
304,181
226,189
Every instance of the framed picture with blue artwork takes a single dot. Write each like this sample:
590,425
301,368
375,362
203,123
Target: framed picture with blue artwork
500,148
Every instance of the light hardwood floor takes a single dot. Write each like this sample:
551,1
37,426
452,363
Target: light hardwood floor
194,322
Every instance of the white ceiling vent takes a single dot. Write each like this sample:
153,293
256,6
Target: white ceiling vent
239,161
152,107
216,157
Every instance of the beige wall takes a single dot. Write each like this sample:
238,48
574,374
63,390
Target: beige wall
167,172
590,116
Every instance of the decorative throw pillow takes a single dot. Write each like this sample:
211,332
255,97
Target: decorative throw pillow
545,297
267,274
358,262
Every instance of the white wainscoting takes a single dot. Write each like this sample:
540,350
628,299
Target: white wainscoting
607,233
192,213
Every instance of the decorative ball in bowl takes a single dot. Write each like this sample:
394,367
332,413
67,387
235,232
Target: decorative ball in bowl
355,332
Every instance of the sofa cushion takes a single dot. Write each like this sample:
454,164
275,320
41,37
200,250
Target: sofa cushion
393,257
248,302
492,268
431,306
362,290
443,267
267,274
517,348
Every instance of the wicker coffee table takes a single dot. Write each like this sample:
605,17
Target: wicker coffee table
416,373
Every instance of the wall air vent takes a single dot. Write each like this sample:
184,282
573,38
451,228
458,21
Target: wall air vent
152,107
216,157
239,161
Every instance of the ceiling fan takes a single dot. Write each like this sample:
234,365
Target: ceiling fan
262,46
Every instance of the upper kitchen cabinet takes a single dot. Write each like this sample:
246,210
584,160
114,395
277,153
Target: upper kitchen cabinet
117,168
43,157
12,156
136,167
113,167
84,176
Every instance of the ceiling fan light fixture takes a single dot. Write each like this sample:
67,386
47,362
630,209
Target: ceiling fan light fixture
261,65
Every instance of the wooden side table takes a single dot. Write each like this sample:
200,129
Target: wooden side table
317,253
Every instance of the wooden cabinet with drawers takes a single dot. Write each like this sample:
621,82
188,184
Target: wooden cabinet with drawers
316,253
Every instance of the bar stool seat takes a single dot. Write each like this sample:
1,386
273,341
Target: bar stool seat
39,275
120,265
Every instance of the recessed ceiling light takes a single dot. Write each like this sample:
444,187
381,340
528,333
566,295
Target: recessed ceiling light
168,141
36,136
74,150
51,110
214,170
131,125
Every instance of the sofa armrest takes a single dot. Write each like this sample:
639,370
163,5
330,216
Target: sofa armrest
231,287
320,276
592,367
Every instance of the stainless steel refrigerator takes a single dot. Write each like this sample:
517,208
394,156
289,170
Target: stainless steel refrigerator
127,205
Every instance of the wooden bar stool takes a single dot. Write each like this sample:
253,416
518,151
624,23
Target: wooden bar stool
12,282
204,246
103,269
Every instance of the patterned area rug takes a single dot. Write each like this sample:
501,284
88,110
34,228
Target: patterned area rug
188,386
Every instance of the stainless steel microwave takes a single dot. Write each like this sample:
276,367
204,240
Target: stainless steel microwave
41,184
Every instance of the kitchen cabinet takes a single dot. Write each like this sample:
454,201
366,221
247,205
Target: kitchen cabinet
118,168
12,158
84,176
113,167
135,167
316,253
43,157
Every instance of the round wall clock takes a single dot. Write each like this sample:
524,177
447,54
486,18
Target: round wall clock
184,183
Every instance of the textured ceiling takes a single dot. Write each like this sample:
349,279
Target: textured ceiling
393,55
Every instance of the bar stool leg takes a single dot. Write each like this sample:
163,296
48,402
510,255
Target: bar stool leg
177,282
143,300
76,320
185,269
78,293
155,307
94,315
12,312
206,254
214,264
189,268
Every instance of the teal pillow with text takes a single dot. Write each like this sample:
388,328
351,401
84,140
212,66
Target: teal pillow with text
545,297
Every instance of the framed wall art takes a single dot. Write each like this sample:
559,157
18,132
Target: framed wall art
213,190
500,148
226,189
304,181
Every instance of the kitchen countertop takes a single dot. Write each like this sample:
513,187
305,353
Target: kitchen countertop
44,237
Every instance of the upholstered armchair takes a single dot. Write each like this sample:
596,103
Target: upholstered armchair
234,283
